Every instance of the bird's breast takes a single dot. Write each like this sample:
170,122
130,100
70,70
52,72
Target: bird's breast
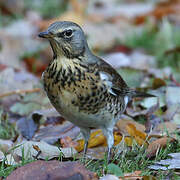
77,92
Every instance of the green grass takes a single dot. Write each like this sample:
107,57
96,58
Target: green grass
7,130
5,169
134,159
129,160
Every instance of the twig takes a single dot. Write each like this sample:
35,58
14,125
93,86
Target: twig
20,92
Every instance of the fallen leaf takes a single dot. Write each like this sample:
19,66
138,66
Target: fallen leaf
5,145
139,136
97,139
133,176
94,153
109,177
68,142
154,146
173,163
27,126
171,112
52,170
122,123
136,175
10,160
164,128
47,151
52,133
132,130
149,102
172,95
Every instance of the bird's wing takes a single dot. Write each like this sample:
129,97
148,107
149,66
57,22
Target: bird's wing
115,82
117,86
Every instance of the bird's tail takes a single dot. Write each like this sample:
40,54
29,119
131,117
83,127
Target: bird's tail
135,94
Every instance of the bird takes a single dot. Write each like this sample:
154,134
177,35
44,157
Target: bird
82,87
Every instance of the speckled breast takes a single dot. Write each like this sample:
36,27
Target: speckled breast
78,92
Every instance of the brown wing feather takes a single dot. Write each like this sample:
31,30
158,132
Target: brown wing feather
119,86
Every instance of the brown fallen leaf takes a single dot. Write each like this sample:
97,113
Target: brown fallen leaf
52,170
165,127
154,146
136,175
68,142
133,176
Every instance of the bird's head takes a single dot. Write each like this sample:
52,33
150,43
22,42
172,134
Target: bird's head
66,39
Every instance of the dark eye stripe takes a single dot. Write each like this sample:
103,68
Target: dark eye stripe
60,34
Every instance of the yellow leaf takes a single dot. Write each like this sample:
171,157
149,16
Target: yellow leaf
139,136
117,139
80,145
96,139
121,125
128,141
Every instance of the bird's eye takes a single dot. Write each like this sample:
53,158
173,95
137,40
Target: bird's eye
68,33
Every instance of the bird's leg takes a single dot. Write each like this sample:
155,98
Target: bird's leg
86,133
108,132
85,149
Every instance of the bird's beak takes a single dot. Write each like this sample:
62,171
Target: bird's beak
45,34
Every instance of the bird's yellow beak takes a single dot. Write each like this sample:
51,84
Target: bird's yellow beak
45,34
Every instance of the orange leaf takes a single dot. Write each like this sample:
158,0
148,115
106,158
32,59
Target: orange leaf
68,142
